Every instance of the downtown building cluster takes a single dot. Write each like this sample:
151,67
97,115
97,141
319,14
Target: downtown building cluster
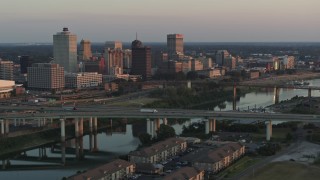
86,69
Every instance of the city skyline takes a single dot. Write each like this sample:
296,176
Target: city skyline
198,21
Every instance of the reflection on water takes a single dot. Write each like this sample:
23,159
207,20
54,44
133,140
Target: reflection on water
267,97
119,143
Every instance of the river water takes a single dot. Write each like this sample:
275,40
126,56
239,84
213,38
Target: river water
120,143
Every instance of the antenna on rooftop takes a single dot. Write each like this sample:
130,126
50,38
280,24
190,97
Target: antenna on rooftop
136,36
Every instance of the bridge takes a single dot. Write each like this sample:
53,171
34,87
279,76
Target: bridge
93,114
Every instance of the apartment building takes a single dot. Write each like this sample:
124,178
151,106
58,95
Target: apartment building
188,173
159,152
117,169
215,159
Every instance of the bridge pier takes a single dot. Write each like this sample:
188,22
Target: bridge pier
81,138
90,134
156,124
7,123
207,127
95,129
150,127
268,130
2,127
164,121
63,141
309,92
213,125
77,134
276,95
234,104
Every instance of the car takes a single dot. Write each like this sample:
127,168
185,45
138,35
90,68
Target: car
168,171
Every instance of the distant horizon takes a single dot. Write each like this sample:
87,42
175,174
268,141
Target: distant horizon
198,21
185,42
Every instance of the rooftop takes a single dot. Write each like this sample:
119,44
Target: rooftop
158,147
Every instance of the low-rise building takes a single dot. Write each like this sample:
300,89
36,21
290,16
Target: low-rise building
83,80
159,152
149,168
215,159
188,173
118,169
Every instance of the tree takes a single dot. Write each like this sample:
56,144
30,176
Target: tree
145,138
192,75
165,132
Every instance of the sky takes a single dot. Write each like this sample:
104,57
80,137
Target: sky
198,20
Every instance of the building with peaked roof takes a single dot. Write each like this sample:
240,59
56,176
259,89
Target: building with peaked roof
159,151
215,159
117,169
186,173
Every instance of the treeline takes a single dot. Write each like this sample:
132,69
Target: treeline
183,97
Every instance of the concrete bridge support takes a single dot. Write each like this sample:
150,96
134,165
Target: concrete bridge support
81,138
2,127
234,104
164,121
213,125
7,125
77,134
63,141
207,126
156,124
95,130
268,130
151,128
90,133
309,93
276,92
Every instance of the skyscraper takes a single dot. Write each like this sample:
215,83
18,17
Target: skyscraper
141,60
65,50
85,50
6,70
25,62
113,56
174,45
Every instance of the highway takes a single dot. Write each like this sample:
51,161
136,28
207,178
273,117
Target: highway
124,112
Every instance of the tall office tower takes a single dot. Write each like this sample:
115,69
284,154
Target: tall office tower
46,76
141,60
25,62
127,60
85,50
6,70
113,56
174,45
221,55
65,50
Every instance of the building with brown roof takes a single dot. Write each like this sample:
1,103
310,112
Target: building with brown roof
214,160
117,169
186,173
159,152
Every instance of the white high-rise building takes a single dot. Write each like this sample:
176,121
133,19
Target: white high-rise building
65,50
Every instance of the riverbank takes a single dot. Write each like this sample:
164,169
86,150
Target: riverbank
282,79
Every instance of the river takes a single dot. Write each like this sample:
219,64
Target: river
120,143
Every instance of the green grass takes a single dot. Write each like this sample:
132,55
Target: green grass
285,170
135,102
238,166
